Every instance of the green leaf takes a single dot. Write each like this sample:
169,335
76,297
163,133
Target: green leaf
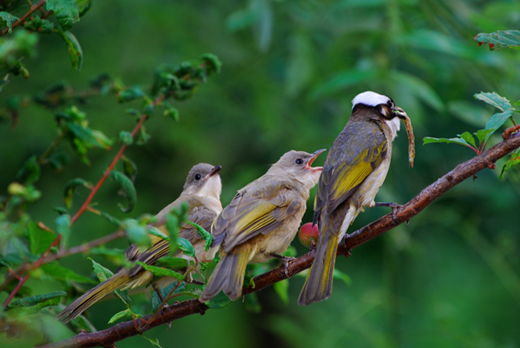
29,193
282,290
126,313
156,301
203,234
114,255
172,226
127,187
160,271
58,160
103,274
74,48
7,19
483,135
35,23
83,6
39,238
129,168
143,136
494,99
153,341
218,302
57,272
63,228
497,120
500,39
129,94
137,233
44,300
468,138
111,219
213,64
126,137
101,271
171,111
65,11
186,247
30,172
172,262
513,161
157,232
70,187
429,140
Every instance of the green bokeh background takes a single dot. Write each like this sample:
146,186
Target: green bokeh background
290,70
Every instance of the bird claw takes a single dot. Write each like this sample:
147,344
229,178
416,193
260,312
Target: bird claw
392,205
286,260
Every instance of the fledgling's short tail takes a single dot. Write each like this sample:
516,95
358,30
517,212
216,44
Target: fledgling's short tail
228,276
116,282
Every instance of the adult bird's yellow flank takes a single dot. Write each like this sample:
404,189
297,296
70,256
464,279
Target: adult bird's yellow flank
353,172
261,221
202,194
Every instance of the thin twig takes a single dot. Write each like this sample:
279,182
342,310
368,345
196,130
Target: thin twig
108,337
33,9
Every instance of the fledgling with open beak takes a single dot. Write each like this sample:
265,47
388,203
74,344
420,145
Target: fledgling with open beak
261,221
202,194
353,172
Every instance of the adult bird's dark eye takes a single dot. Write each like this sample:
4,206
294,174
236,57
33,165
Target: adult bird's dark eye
299,161
197,176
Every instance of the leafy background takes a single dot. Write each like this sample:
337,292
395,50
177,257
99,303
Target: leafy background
290,69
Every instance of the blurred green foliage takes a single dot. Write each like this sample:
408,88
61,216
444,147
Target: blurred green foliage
290,69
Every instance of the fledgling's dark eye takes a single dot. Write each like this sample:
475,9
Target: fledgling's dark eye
197,176
299,161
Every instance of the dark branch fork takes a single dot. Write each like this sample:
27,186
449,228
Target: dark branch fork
107,338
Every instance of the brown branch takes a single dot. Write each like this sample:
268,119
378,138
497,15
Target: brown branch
107,172
108,337
33,9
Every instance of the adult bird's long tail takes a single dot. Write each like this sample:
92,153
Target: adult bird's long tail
116,282
318,285
228,276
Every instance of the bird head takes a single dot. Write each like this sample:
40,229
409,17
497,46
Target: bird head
297,164
378,106
204,180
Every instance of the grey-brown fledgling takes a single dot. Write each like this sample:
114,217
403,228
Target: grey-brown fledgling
355,168
261,221
202,194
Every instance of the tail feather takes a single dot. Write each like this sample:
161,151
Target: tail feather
95,294
318,285
228,276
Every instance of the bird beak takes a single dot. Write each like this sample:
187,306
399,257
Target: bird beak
399,113
314,156
214,171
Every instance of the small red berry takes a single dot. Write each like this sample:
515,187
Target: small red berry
308,233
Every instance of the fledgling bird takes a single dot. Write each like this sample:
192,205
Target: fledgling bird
261,221
353,172
202,194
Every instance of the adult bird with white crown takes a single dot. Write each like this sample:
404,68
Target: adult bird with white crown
353,172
